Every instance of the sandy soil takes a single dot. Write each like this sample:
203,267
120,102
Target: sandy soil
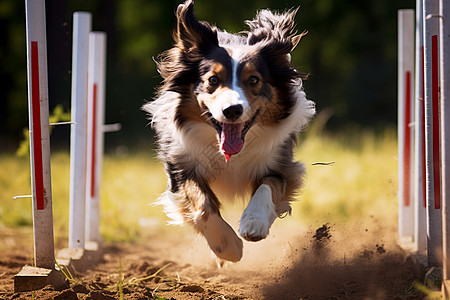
328,261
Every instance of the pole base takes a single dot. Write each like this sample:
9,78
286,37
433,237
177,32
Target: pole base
80,259
34,278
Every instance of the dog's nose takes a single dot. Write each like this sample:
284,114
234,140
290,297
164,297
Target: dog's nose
233,112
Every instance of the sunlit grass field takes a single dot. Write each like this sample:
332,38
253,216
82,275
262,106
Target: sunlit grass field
351,176
360,182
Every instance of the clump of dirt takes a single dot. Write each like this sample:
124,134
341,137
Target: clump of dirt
323,233
380,249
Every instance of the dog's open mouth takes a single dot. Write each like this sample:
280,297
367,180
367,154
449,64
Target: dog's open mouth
232,135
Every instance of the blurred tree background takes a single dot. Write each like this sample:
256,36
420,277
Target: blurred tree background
350,53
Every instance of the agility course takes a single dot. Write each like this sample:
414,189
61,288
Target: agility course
423,132
80,244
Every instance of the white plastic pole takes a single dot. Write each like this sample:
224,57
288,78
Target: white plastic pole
420,206
445,132
77,198
44,255
405,127
432,136
96,103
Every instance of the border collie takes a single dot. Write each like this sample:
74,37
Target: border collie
226,117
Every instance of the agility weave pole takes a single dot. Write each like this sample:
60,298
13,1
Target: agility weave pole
43,271
39,134
432,135
77,205
96,119
420,205
405,119
445,139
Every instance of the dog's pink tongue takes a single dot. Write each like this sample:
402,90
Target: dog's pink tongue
231,139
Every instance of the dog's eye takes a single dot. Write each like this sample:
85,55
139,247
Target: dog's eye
253,80
213,80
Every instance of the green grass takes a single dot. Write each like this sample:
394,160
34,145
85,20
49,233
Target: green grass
361,181
130,184
14,181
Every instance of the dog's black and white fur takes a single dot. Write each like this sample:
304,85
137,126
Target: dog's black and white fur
226,117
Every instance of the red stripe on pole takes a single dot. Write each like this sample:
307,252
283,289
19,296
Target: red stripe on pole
94,136
435,105
422,117
407,145
36,130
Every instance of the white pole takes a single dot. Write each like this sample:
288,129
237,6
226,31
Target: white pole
44,255
96,102
432,148
445,132
81,28
405,128
420,207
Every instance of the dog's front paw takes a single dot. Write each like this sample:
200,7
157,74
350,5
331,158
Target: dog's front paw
253,228
258,216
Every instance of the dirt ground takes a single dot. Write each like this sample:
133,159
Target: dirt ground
328,261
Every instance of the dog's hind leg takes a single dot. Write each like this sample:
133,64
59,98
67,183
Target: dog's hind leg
202,208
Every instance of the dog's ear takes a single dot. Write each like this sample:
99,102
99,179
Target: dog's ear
191,33
275,30
275,37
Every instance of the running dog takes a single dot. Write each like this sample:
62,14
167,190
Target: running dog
227,116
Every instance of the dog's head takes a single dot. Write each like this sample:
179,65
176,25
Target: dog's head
232,82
